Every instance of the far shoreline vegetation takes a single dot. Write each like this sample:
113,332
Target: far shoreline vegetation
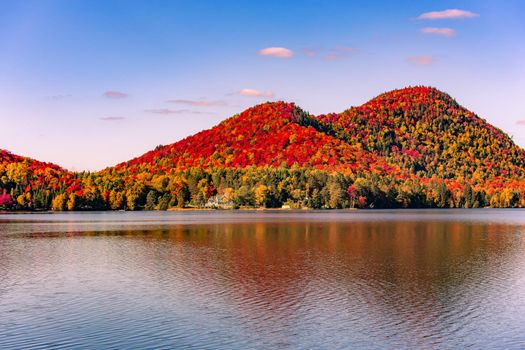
293,188
408,148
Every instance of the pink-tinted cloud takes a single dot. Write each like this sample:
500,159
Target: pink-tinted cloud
112,119
114,94
199,103
256,93
520,122
332,54
421,60
338,53
167,111
448,14
60,97
280,52
439,31
310,52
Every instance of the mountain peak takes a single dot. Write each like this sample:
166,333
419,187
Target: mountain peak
412,95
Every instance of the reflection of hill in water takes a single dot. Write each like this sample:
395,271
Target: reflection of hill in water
426,279
415,283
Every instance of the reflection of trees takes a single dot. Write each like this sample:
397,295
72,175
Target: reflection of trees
372,275
385,280
413,274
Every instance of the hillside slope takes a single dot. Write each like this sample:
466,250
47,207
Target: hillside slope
413,147
271,134
28,183
426,132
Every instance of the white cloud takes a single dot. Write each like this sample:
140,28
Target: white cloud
167,111
111,119
199,103
256,93
448,14
439,31
280,52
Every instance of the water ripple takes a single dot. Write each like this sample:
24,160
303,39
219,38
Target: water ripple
265,281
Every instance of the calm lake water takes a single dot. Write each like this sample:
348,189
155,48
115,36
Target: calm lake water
263,280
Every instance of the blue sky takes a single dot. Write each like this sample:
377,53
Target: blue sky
88,84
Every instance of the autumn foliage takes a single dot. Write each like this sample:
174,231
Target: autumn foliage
413,147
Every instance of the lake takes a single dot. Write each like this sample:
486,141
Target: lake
406,279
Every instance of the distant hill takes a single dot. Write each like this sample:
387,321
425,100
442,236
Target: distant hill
26,183
413,147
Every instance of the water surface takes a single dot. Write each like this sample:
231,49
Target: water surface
263,280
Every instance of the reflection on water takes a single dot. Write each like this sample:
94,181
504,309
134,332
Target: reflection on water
418,279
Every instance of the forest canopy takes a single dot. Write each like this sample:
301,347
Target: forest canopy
408,148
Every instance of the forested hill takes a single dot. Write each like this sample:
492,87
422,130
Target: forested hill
271,134
413,147
428,133
26,183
